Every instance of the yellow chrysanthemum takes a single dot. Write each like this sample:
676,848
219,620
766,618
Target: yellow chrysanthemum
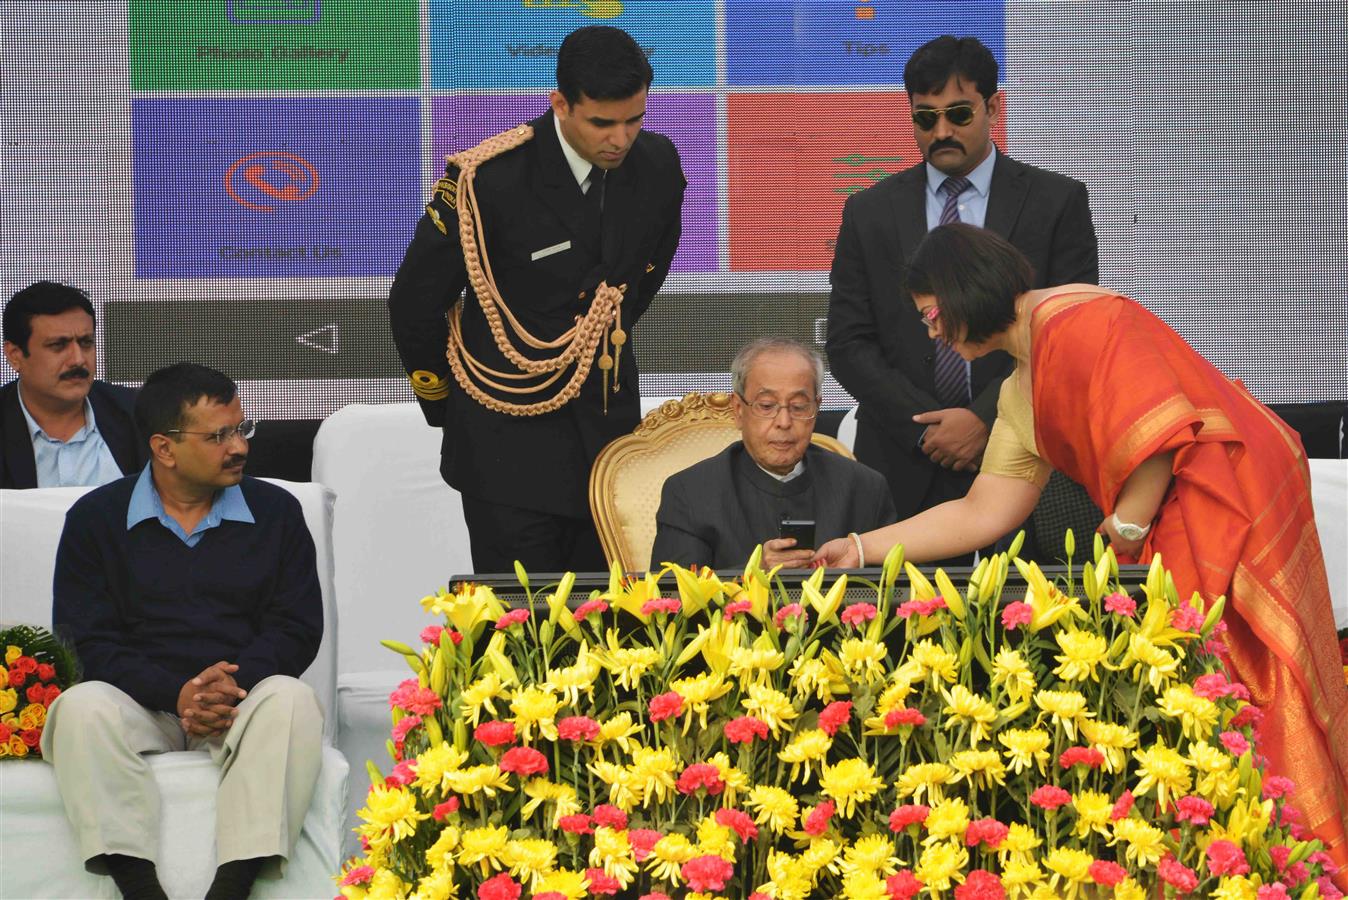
864,886
698,692
436,885
1093,809
822,855
567,882
1164,769
474,780
755,664
1235,887
900,686
734,780
1082,653
623,790
484,846
821,676
529,859
947,819
982,768
936,661
1145,842
789,879
561,796
390,815
715,839
871,855
965,706
1012,673
770,706
1026,749
1021,841
613,853
805,748
1020,876
775,808
628,664
863,659
440,855
620,730
1110,739
1066,707
573,680
940,863
653,775
849,783
1197,715
668,855
478,697
924,778
435,764
1159,665
1129,889
1071,870
532,706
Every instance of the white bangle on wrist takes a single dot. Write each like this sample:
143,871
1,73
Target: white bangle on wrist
861,551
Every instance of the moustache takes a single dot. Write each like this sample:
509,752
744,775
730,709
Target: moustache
945,144
72,374
237,459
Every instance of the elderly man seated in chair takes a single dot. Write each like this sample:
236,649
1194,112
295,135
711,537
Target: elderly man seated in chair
191,595
773,487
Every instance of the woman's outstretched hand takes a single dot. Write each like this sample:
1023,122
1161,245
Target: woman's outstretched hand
839,553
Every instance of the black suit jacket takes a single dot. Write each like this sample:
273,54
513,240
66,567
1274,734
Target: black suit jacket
701,520
112,410
877,347
529,201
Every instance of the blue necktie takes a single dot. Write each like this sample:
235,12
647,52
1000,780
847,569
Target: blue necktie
952,373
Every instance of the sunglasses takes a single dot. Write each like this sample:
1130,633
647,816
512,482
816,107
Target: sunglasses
958,114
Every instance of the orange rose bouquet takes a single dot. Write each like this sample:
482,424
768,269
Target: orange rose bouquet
37,667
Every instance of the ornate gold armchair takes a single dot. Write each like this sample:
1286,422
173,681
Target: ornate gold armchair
627,476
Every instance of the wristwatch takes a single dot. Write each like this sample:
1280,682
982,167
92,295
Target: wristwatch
1127,530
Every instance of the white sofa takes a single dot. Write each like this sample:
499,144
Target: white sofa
39,856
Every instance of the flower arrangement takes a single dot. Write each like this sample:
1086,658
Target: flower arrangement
37,667
736,741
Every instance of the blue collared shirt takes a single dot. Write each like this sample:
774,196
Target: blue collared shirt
973,202
84,459
145,504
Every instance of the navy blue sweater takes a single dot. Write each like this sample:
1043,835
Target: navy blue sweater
147,613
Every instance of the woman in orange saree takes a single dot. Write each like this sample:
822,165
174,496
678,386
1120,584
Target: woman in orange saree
1166,445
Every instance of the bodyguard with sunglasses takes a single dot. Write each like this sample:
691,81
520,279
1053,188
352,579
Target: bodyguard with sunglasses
191,595
924,414
773,487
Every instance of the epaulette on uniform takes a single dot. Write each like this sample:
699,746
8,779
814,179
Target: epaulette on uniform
447,188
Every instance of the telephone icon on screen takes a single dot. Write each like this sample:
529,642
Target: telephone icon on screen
261,180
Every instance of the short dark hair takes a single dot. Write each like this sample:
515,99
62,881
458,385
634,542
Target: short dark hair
930,67
602,63
169,391
42,298
975,276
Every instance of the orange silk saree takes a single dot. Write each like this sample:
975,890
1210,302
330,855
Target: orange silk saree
1114,385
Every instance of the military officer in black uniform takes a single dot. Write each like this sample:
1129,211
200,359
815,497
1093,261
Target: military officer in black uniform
562,231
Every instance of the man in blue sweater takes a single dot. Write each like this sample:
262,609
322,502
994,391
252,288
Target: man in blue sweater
192,598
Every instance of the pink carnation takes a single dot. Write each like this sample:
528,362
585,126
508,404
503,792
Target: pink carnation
980,884
495,734
1193,809
498,887
786,612
700,775
655,896
903,886
1234,741
1248,715
1324,861
524,761
1276,786
665,706
1280,853
733,609
1102,871
590,606
744,729
577,728
1177,875
1121,605
1016,614
858,613
431,634
1327,889
707,873
835,716
1050,797
911,814
1122,806
816,823
988,831
661,605
602,885
742,824
576,824
1084,756
448,808
358,875
1273,892
550,895
904,716
400,729
1186,618
643,840
403,774
920,607
514,617
1225,858
610,816
412,697
1296,873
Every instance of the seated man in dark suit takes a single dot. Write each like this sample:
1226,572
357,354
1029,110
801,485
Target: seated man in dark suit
716,512
191,595
58,426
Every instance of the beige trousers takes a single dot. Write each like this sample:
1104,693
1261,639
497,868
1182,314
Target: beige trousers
96,737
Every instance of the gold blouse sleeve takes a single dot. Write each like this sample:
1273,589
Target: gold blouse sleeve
1011,448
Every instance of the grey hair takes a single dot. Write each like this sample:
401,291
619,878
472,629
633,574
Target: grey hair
744,360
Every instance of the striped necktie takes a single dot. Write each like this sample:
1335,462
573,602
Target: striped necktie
952,373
